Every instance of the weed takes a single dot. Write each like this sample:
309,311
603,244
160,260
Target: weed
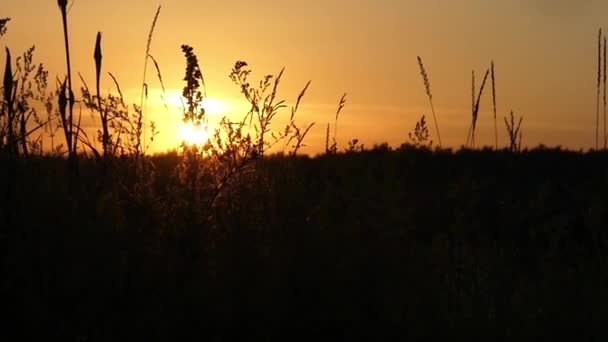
599,78
420,136
494,105
334,146
3,23
515,134
475,108
427,88
292,132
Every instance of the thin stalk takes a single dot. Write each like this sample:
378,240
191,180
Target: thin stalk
427,87
473,91
604,62
144,86
340,106
9,86
327,139
476,108
494,106
103,115
71,142
599,77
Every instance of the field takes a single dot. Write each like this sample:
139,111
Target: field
376,244
228,240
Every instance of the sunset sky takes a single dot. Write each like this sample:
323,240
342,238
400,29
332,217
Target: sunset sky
544,50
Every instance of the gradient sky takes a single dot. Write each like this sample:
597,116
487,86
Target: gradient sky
544,51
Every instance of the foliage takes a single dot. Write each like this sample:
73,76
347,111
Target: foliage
264,103
3,22
24,92
193,112
420,136
515,134
333,148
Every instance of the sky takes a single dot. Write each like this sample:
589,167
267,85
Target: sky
544,51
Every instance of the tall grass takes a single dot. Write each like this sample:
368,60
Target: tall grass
475,108
67,93
514,131
604,88
427,88
292,131
494,105
334,146
3,22
103,114
9,91
144,84
599,78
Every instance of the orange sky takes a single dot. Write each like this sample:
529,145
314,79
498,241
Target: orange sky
544,51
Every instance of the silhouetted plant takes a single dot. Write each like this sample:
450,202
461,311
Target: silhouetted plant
327,138
264,103
194,112
599,79
334,146
124,124
144,84
420,137
103,114
9,90
23,91
515,134
475,108
604,88
3,23
292,132
427,88
66,96
354,146
494,105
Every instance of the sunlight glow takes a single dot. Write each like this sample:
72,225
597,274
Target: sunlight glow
212,105
192,134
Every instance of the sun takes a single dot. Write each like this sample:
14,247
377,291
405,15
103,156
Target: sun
193,134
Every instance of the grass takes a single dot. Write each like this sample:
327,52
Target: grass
493,77
475,108
599,79
427,88
515,133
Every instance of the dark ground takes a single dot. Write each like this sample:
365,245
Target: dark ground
375,245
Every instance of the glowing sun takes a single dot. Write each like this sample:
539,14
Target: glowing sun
193,134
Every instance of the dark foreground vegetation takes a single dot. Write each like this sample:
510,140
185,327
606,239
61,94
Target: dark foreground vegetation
380,244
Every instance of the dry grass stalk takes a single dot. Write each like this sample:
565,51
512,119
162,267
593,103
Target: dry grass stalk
599,77
494,105
475,110
103,115
427,87
144,86
473,91
604,70
293,133
3,22
327,139
69,116
340,106
515,134
9,91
